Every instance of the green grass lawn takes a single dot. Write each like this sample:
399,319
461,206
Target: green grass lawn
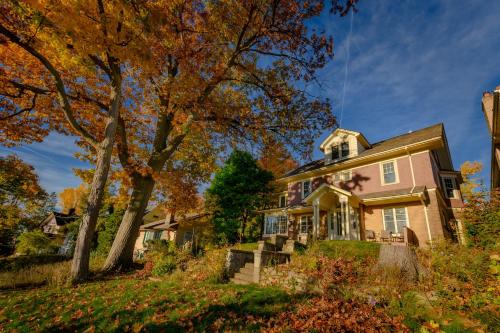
349,249
246,246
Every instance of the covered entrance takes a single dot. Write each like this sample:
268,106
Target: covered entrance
342,213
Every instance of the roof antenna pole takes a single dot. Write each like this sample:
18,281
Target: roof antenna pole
346,71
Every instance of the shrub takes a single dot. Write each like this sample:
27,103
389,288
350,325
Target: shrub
35,242
164,257
482,220
108,227
164,266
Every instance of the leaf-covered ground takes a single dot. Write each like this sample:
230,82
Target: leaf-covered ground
127,303
457,293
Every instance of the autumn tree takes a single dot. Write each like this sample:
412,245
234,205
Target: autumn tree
231,73
23,202
71,199
472,184
275,157
69,57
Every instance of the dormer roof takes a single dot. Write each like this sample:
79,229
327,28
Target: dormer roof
341,131
427,136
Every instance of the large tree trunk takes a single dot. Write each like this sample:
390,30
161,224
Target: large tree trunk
80,264
122,251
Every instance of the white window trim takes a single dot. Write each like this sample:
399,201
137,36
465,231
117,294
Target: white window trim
300,222
393,208
454,182
278,233
310,180
339,172
381,167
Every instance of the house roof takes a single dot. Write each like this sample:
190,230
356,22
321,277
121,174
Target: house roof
392,193
61,218
379,147
165,224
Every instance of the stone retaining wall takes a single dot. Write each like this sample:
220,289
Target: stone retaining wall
236,259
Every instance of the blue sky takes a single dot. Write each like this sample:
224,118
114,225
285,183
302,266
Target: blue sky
411,64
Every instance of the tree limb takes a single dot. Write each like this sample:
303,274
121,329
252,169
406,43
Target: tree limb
61,91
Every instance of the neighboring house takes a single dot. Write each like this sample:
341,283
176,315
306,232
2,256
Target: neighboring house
180,230
491,106
361,188
53,224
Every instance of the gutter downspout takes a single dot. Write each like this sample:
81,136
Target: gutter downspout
411,168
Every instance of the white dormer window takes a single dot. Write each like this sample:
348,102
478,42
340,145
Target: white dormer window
340,150
344,149
342,144
335,152
306,188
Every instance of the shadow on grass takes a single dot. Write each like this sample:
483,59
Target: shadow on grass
246,310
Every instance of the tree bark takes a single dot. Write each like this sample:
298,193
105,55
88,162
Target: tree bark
120,256
81,257
80,264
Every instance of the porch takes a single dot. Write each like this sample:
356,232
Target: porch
331,213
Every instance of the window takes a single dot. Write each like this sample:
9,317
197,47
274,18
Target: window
152,235
305,224
395,219
341,150
282,202
282,227
306,188
345,149
345,176
342,176
276,225
449,187
335,152
389,172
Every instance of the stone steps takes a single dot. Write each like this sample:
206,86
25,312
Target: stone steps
245,275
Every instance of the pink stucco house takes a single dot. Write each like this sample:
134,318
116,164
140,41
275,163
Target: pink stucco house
399,188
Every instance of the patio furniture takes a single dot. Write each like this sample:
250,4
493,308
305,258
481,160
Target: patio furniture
397,237
385,236
370,235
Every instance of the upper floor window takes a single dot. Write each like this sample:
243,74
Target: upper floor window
389,172
306,188
395,219
282,202
340,150
449,187
335,152
345,149
344,176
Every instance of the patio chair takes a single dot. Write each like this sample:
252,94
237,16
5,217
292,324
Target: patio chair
370,235
385,236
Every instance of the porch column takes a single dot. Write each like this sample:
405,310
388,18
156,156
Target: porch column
315,219
345,214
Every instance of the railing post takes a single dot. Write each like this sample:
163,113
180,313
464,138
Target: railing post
257,262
